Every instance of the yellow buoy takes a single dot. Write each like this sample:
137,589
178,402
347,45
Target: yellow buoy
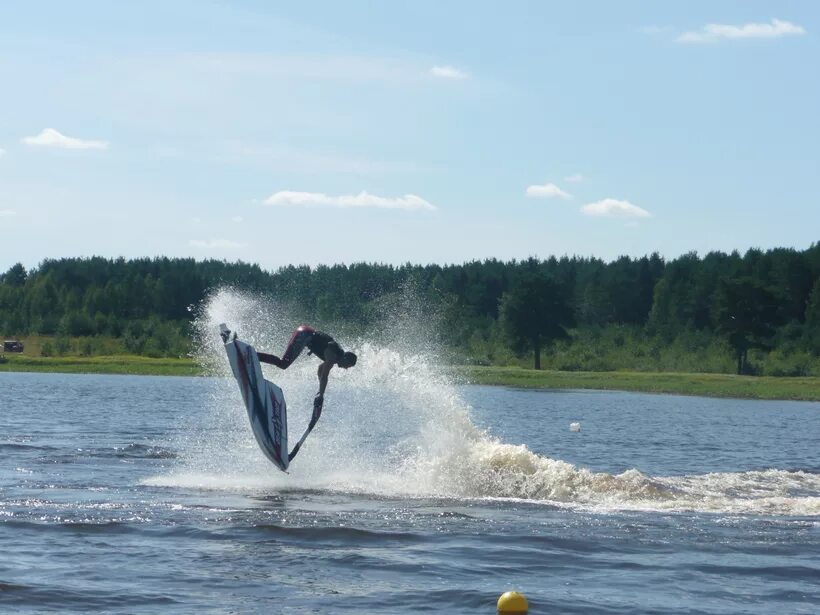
512,603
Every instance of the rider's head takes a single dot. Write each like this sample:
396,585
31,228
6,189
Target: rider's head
348,359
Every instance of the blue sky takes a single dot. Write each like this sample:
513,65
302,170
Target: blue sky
329,132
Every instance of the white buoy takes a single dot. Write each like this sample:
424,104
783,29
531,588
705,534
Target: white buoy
575,426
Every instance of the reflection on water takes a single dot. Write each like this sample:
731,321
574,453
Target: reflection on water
140,494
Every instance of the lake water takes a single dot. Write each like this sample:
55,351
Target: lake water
139,494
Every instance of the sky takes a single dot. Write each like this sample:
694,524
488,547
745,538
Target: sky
427,132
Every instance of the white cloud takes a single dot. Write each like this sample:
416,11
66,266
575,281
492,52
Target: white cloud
51,138
7,213
216,244
714,32
574,179
547,191
613,208
2,152
448,72
237,219
363,199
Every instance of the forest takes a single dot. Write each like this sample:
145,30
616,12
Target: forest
752,313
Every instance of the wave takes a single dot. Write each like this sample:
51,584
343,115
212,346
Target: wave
397,426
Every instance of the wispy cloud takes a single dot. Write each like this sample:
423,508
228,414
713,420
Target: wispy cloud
237,219
448,72
7,213
2,152
52,138
656,30
334,67
215,244
547,191
294,160
289,198
577,178
715,32
614,208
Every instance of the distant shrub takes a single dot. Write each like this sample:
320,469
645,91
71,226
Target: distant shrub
76,323
779,363
62,345
153,348
47,349
86,347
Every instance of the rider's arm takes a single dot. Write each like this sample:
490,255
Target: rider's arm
322,373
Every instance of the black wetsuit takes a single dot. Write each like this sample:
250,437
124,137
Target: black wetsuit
317,342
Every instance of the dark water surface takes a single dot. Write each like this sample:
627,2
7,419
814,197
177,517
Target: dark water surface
139,494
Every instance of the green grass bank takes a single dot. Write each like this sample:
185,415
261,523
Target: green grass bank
114,364
712,385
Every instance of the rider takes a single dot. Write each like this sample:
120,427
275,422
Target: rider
318,343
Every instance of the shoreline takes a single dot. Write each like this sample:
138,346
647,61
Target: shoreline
801,388
676,383
110,364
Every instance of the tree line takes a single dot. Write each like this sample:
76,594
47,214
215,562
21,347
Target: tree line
752,312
